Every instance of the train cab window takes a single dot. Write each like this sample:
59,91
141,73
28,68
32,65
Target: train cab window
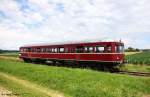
32,49
120,49
99,49
61,50
25,50
21,50
28,50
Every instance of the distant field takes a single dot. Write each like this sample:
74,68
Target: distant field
142,58
131,53
10,54
70,82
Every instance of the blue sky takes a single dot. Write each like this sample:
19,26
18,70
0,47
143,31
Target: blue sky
47,21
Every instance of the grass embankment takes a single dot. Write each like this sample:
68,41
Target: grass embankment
26,88
136,68
74,82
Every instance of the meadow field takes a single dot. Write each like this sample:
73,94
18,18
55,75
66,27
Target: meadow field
8,54
35,80
140,58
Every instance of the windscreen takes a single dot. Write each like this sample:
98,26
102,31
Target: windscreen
120,49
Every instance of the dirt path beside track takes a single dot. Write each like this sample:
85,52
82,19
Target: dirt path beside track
32,86
6,93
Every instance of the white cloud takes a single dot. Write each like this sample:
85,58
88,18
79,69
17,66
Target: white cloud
67,20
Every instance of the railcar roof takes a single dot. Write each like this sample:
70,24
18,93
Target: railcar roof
69,43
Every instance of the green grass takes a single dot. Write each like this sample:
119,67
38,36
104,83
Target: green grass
139,58
78,82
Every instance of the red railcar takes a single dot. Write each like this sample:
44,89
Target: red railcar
103,52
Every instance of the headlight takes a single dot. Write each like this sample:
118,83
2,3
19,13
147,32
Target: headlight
117,57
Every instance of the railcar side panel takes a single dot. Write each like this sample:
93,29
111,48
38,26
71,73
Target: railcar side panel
76,56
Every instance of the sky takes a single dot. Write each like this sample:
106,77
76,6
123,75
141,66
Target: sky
48,21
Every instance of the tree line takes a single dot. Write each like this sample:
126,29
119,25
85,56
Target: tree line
8,51
131,49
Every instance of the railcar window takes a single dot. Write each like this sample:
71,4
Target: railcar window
34,49
28,49
61,50
50,50
47,49
79,49
99,49
88,49
38,49
55,50
42,49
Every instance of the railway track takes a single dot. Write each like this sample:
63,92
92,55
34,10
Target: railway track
145,74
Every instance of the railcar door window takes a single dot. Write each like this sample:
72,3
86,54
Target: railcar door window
66,50
109,49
